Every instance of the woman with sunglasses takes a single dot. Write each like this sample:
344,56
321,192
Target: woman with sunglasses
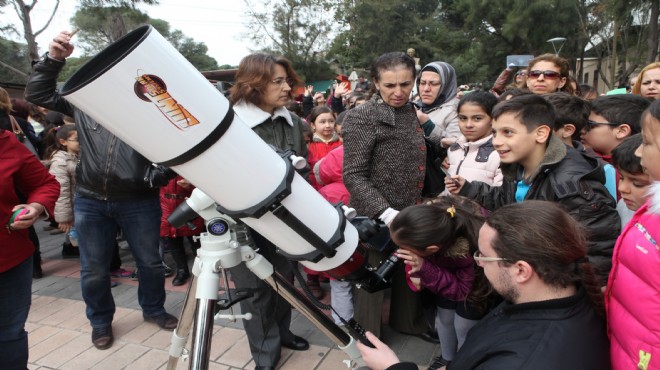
548,73
262,90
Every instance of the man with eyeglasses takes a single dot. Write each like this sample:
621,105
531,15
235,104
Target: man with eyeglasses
553,313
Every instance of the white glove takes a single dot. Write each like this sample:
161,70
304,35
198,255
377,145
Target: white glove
388,215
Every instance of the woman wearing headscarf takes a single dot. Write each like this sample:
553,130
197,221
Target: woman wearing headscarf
437,89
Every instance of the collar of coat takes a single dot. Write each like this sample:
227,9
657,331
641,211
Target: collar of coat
253,116
554,153
384,112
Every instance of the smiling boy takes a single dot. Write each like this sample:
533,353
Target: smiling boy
538,165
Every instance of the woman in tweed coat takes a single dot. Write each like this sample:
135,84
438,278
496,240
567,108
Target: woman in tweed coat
384,158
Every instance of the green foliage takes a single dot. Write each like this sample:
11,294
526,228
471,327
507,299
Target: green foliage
71,66
14,55
194,52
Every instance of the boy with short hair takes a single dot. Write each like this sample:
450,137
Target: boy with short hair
633,182
538,165
571,116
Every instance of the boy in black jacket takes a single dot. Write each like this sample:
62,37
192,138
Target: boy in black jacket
538,165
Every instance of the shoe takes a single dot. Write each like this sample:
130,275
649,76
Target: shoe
102,338
181,277
49,227
121,273
56,231
134,276
113,283
296,344
164,321
168,271
37,273
430,336
315,288
264,368
69,251
437,363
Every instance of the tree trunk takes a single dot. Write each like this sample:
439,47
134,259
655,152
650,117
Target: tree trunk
616,32
653,32
24,14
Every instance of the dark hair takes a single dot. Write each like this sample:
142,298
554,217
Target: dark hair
390,61
561,63
532,110
624,158
653,110
53,137
483,99
340,118
423,225
317,111
513,93
551,241
621,109
295,107
20,108
255,72
569,109
586,90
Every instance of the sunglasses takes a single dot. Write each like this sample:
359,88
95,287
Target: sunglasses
591,124
548,75
521,73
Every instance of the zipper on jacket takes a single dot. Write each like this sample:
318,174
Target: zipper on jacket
465,153
107,167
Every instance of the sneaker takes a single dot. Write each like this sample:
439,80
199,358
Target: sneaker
438,362
168,271
102,338
134,275
69,251
164,321
182,275
121,273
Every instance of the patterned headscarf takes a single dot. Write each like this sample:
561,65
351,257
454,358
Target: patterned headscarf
447,79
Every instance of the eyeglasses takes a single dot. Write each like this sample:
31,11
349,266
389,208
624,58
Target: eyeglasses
478,256
591,124
429,83
281,81
548,75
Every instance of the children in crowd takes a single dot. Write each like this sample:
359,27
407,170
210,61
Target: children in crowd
322,122
472,156
571,116
63,157
437,241
633,182
538,165
632,297
328,174
171,195
612,119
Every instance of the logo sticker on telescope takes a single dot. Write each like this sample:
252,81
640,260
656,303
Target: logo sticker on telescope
152,88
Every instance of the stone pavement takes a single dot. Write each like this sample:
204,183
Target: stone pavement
60,335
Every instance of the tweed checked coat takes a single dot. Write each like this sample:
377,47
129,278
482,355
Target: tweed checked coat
384,157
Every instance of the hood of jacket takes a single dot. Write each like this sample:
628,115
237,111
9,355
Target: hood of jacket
448,88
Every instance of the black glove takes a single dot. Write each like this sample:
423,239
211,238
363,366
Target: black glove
158,175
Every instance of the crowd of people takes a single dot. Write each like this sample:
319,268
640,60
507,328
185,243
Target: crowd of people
539,252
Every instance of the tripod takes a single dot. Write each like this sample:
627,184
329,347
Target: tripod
225,245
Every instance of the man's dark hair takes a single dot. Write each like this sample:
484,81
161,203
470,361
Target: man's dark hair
624,158
621,109
545,236
515,92
569,109
532,110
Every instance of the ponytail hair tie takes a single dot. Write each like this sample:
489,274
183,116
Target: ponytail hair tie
452,211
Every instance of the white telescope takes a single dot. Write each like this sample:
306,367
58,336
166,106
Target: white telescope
146,93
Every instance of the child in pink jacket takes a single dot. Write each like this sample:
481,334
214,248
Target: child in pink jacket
632,297
473,156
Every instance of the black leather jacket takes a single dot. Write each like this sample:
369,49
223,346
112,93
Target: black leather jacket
577,182
108,169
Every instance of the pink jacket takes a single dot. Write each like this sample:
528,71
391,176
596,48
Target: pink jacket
632,297
475,161
328,174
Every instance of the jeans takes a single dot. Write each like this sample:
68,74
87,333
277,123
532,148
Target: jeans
97,222
15,298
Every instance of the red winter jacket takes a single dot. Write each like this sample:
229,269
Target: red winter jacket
328,175
20,170
171,195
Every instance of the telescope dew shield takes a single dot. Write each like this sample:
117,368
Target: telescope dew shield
145,92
